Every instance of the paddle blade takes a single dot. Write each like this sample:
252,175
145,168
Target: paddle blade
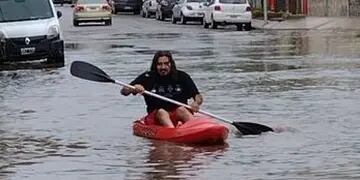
249,128
88,71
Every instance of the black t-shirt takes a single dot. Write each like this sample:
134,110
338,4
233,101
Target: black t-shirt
179,89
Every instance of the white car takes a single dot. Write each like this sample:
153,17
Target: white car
227,12
91,11
148,8
188,10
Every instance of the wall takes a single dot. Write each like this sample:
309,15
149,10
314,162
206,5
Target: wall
354,8
328,7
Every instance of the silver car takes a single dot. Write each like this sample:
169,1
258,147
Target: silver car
188,10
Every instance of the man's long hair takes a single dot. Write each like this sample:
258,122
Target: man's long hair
158,54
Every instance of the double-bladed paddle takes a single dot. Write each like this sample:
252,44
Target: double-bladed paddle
90,72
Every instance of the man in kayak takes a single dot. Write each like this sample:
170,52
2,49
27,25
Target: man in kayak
164,79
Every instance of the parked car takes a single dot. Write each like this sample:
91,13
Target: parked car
92,11
226,12
188,10
164,9
64,1
148,8
30,30
125,6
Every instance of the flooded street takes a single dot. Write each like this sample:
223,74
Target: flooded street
56,126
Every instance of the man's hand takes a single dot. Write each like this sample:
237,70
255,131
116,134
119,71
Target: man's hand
138,89
195,107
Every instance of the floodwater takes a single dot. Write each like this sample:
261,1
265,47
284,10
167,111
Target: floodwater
56,126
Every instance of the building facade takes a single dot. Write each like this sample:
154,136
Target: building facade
333,8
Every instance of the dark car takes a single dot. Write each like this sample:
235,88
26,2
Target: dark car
125,6
164,9
64,1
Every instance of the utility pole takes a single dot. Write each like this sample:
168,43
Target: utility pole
265,12
287,6
348,9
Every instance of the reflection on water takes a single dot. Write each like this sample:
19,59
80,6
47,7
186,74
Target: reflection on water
22,150
173,161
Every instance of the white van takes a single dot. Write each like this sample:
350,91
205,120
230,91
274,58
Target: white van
30,30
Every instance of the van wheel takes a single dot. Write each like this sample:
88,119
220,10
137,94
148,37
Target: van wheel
57,59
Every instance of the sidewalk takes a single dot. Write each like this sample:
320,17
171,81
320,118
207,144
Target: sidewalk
310,23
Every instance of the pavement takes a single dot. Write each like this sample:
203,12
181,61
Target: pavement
310,23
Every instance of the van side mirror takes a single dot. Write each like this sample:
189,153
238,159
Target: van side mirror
72,6
59,14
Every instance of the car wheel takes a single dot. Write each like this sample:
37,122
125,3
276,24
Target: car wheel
213,24
205,25
239,27
136,12
114,11
147,14
162,18
173,20
75,22
142,14
157,15
247,26
108,22
182,19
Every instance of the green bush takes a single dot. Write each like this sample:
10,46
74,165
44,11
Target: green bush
257,13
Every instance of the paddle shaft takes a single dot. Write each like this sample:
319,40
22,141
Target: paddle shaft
173,101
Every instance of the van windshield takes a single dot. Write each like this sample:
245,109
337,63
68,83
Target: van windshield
22,10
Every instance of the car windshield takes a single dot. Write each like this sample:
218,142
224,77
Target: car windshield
91,1
233,1
197,1
22,10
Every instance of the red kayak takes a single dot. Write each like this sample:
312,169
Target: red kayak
200,130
